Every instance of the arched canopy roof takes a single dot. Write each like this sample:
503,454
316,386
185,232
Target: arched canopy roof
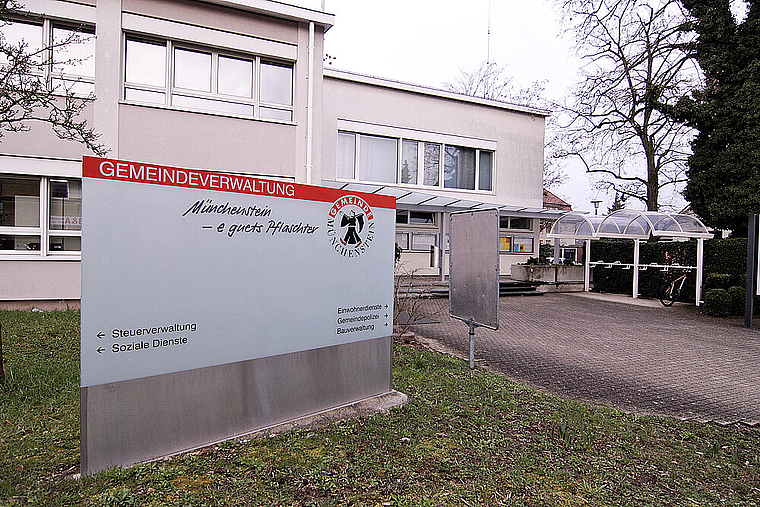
631,224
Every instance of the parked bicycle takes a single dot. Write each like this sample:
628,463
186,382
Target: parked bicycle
671,291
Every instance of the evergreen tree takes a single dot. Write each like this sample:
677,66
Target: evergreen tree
724,170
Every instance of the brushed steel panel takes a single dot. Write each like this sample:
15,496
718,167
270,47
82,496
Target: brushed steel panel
137,420
474,267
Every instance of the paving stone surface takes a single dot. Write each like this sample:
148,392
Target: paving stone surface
645,359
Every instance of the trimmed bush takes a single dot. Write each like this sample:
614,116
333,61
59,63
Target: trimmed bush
717,303
738,296
717,281
727,256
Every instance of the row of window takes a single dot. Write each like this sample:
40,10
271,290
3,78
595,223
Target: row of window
42,215
429,218
169,74
421,241
379,159
162,72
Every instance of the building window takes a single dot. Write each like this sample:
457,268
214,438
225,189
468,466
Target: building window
516,223
415,217
413,162
402,240
63,55
422,241
170,74
43,215
377,159
459,168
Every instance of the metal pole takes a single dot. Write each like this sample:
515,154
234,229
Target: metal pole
749,302
636,252
472,345
700,269
587,276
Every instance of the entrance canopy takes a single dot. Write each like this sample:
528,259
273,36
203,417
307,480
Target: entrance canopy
424,201
635,225
630,224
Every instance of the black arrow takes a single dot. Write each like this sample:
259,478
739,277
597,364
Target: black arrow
386,315
101,335
386,324
386,306
100,350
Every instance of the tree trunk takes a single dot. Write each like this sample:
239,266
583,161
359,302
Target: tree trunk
653,178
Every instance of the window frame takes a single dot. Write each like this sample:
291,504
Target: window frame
170,90
43,231
509,223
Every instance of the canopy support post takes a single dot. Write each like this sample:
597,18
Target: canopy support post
587,274
636,251
442,244
700,267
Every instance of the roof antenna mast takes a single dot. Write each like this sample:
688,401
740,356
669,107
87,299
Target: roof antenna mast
488,41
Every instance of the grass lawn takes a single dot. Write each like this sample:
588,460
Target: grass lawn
462,440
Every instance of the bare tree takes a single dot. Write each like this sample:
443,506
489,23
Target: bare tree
491,81
29,95
634,59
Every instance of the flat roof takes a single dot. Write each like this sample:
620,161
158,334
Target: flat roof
425,90
280,10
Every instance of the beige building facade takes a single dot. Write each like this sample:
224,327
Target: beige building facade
239,87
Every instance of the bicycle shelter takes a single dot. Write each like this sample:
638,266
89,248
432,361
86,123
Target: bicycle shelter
635,225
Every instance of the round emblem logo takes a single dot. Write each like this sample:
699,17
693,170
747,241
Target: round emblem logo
350,226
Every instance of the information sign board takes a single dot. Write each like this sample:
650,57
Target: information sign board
474,267
183,269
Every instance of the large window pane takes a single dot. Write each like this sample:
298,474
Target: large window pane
15,32
402,240
423,240
276,84
421,217
432,164
409,162
486,169
192,70
19,202
65,243
346,155
146,63
520,223
235,76
73,52
377,159
26,243
459,168
65,205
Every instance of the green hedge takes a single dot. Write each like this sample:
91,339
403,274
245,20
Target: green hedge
727,257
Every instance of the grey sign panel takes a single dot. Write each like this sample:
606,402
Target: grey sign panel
185,271
474,267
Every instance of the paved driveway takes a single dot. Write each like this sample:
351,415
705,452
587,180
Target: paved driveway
646,359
